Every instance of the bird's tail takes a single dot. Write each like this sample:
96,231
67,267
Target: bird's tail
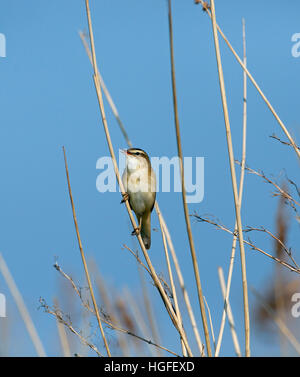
146,230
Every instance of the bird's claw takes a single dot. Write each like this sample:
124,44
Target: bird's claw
125,197
135,232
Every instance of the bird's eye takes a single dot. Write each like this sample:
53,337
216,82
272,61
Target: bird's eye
137,153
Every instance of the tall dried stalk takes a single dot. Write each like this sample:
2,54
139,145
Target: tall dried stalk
166,301
62,334
283,127
233,248
106,92
173,289
57,313
186,211
233,179
83,258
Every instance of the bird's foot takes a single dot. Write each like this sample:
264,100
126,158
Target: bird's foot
125,197
136,232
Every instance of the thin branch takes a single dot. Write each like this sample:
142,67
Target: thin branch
162,280
186,211
106,92
153,322
210,322
160,217
59,317
283,127
234,182
251,244
281,191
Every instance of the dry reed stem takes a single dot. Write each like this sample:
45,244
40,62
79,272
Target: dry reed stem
126,316
153,322
234,182
241,186
138,317
173,289
186,211
182,284
22,307
282,141
62,335
133,222
229,313
160,217
83,258
283,127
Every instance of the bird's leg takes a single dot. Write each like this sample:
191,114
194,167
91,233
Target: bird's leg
137,230
125,197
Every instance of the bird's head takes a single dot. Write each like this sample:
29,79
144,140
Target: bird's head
136,159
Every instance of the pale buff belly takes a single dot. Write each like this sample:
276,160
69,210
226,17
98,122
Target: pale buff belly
141,193
140,202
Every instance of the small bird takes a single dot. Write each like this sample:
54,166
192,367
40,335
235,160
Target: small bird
140,185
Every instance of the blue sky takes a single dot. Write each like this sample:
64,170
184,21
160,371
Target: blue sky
48,100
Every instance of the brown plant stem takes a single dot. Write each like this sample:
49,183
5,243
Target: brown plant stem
283,127
186,211
234,181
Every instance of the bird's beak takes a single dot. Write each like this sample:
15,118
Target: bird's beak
124,151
